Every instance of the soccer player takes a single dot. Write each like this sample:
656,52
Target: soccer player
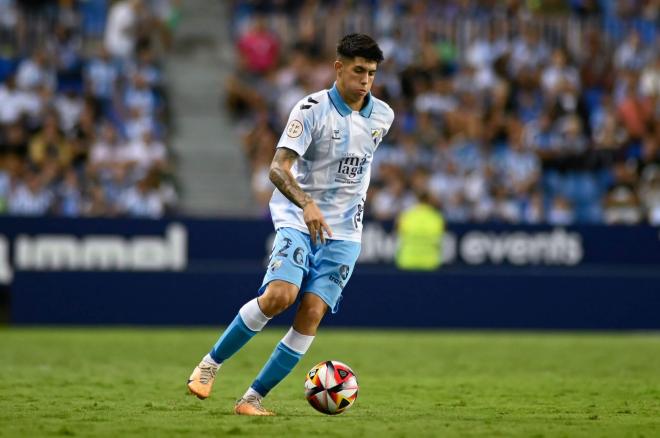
321,172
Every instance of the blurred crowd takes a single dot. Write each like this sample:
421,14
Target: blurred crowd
507,111
83,111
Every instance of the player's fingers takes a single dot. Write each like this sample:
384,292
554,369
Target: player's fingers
312,232
318,232
326,227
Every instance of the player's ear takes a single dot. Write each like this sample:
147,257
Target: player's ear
338,66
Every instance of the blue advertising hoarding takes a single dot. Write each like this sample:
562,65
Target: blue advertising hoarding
125,271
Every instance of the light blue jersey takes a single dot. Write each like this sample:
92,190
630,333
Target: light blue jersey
336,146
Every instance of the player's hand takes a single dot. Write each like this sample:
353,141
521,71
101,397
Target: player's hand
315,222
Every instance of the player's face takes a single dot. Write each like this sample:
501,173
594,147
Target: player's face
355,77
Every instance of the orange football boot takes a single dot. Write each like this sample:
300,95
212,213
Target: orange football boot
201,380
251,406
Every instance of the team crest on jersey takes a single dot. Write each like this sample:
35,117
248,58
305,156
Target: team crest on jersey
376,135
277,264
294,129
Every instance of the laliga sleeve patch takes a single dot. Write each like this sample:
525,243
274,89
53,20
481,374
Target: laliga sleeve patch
294,129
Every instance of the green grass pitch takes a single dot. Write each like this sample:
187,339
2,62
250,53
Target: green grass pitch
131,382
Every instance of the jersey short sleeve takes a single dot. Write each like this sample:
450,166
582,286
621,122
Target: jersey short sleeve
297,135
389,119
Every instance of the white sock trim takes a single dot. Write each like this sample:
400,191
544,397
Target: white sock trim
252,316
297,342
253,393
210,360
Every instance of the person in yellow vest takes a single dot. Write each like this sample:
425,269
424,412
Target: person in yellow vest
420,229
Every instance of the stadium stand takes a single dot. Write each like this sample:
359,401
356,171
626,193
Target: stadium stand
83,110
516,112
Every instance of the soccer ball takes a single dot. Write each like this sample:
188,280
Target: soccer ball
331,387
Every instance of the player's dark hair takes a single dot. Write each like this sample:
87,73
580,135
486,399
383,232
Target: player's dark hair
359,44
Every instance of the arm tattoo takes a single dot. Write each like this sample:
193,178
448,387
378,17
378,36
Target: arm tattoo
280,175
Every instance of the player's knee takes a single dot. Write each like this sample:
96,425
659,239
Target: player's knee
313,314
278,297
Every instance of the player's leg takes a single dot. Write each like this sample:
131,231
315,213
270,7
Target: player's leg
330,269
253,317
249,321
286,355
281,285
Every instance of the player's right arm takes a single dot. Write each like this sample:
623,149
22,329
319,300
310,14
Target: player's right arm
281,176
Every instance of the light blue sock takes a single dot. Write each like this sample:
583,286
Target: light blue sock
249,321
232,340
280,364
285,357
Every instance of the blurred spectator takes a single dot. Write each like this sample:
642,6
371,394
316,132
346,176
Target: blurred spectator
622,207
69,195
518,169
14,141
49,146
8,17
561,81
485,49
528,50
634,110
391,199
139,96
146,67
532,209
36,71
649,193
120,31
95,202
105,151
145,153
650,80
506,209
631,54
258,48
420,229
166,19
561,212
69,106
13,101
261,184
143,199
65,49
136,123
101,77
259,145
31,197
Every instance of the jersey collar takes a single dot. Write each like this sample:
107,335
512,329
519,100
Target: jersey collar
343,108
